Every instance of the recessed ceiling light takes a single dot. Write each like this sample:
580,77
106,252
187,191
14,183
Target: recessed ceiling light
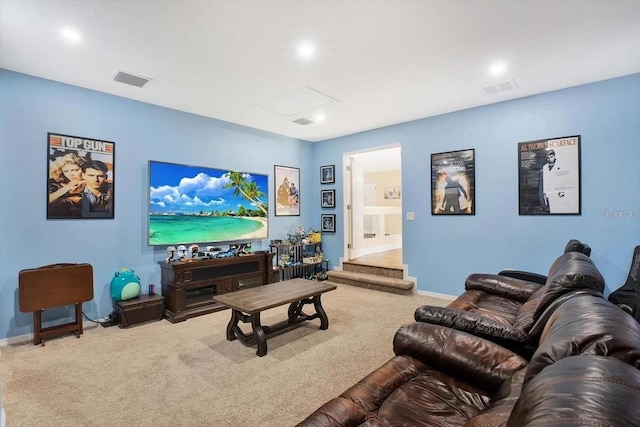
319,117
71,35
497,69
306,50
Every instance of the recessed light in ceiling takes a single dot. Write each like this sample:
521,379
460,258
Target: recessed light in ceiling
319,117
306,50
70,35
497,69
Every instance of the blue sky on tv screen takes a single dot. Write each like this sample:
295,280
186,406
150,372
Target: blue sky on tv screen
175,188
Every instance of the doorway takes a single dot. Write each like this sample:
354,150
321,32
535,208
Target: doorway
373,204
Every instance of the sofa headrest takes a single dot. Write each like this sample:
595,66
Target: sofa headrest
566,260
577,246
571,271
587,325
580,391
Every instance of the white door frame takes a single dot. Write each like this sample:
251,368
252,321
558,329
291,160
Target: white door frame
347,198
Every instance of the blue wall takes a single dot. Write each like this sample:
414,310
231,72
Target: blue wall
31,107
440,251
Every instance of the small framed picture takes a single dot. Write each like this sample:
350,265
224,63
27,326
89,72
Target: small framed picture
287,190
327,174
328,198
328,222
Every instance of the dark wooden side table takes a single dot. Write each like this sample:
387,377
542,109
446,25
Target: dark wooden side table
139,310
51,286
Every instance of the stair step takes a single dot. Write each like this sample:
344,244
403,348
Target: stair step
395,273
371,281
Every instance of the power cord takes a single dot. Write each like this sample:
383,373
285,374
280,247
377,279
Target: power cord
110,320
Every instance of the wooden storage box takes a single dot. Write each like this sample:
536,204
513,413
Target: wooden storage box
142,309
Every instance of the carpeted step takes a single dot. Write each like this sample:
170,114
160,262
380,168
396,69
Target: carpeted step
394,273
371,281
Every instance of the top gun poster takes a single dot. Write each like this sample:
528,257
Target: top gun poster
80,177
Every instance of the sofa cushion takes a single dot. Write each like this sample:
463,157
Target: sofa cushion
587,325
580,391
432,398
524,319
373,389
496,308
502,402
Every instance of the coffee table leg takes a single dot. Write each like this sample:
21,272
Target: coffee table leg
258,332
233,324
295,310
324,320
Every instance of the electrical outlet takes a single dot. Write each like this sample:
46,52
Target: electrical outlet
410,216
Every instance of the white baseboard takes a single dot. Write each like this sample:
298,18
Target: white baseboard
29,337
437,295
16,340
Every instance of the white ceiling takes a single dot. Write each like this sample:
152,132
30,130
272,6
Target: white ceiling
378,62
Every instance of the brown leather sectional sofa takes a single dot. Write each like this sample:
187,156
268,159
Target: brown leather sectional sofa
585,371
512,312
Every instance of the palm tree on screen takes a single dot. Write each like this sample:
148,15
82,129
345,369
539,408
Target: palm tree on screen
249,190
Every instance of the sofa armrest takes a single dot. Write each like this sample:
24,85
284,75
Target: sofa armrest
524,275
338,412
364,398
456,353
468,321
507,287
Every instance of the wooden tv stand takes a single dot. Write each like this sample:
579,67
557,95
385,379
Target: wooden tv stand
188,287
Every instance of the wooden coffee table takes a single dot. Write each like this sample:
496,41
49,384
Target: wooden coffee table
246,306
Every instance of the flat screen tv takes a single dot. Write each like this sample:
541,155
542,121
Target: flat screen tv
197,204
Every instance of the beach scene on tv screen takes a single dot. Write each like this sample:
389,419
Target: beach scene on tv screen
192,204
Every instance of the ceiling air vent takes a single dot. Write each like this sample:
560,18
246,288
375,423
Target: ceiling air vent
303,121
130,79
497,87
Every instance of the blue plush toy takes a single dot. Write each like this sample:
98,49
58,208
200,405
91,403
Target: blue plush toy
125,285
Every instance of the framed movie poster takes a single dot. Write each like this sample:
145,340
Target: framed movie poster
81,174
287,191
328,223
327,174
453,183
328,198
549,176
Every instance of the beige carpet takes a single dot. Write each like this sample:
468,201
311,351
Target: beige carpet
188,374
